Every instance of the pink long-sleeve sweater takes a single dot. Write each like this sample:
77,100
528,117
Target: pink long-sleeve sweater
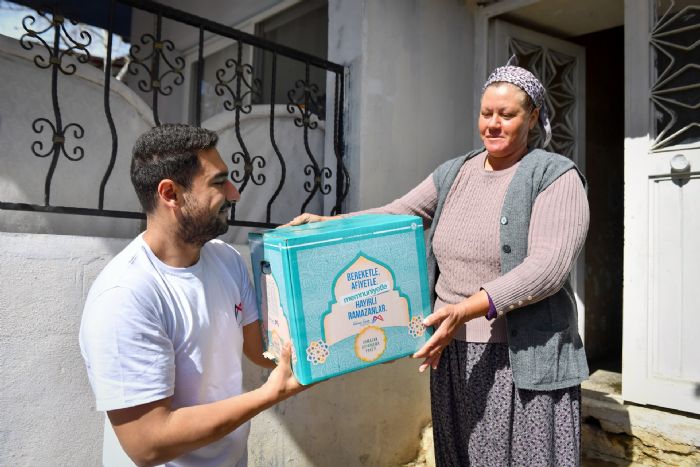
467,247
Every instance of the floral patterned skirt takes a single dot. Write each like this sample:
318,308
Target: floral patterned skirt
481,419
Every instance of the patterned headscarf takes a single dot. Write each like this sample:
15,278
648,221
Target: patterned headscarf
513,74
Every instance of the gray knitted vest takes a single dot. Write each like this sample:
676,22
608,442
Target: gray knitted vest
546,351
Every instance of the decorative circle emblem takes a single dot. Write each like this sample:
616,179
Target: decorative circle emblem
370,343
317,352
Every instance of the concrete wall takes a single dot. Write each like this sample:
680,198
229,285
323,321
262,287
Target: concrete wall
48,413
410,90
372,417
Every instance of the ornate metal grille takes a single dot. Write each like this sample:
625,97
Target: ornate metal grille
158,68
556,71
675,93
57,60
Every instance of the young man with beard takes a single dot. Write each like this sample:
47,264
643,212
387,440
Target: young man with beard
166,322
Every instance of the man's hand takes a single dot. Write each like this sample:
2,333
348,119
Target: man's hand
253,345
154,433
308,218
282,383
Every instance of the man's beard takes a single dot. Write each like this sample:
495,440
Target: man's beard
198,225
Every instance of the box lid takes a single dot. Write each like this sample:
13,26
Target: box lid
339,229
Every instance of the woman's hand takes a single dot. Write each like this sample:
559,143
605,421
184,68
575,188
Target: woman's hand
447,320
308,218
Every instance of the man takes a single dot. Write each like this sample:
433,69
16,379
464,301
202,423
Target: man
166,322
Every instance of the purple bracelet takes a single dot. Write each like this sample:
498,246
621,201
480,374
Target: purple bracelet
492,313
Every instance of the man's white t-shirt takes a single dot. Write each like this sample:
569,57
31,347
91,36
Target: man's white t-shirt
151,331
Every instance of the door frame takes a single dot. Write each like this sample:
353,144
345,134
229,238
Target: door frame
635,281
482,21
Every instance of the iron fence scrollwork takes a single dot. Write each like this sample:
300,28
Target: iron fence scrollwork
158,68
159,51
302,102
55,61
238,101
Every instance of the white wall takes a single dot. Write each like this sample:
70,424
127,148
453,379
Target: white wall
372,417
410,90
48,413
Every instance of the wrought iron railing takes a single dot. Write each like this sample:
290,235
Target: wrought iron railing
154,59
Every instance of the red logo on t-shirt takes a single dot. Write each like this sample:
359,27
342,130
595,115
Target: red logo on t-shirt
238,311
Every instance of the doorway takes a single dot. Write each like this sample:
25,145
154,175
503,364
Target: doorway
602,38
605,116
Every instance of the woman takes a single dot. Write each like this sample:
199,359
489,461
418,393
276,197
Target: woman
507,224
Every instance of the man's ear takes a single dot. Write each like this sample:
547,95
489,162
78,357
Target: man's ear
169,193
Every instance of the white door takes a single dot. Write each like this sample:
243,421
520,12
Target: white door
561,67
661,296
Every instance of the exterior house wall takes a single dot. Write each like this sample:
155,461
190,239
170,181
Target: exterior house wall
48,415
409,108
410,91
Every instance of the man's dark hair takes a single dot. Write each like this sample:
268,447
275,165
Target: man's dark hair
167,151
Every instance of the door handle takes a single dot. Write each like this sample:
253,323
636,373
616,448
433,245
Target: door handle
679,164
680,169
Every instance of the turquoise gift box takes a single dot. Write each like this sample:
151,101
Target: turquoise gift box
348,293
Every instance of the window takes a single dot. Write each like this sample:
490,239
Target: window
303,27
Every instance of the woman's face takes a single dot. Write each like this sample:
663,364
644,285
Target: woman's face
504,120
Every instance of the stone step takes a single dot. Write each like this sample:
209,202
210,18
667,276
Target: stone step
624,433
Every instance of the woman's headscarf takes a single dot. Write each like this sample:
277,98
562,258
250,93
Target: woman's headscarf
520,77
